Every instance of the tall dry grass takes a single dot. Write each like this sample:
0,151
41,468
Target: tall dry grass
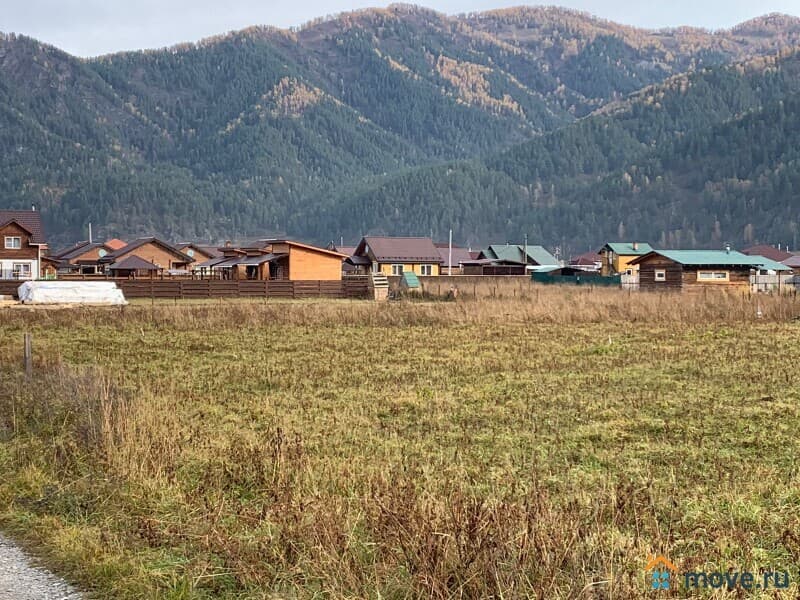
558,306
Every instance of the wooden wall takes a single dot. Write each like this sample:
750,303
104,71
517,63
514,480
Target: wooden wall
307,265
26,252
155,254
647,274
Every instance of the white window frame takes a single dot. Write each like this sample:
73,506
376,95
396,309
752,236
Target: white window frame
376,267
18,268
426,270
13,242
714,276
660,275
397,270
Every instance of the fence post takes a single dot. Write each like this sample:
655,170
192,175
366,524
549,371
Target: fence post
27,354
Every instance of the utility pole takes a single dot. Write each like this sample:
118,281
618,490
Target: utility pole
450,255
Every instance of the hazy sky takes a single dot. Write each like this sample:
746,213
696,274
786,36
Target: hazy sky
91,27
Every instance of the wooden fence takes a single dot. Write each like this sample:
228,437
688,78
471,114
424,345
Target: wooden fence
354,287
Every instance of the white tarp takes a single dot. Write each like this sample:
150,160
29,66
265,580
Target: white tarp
71,292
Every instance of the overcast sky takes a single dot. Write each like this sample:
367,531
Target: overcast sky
92,27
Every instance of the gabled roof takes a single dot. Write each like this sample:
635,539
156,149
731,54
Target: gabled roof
460,255
115,244
587,259
133,263
627,248
399,249
715,258
81,248
259,244
29,220
768,252
113,256
515,253
793,261
210,251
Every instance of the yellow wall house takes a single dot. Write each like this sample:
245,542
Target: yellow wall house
394,256
616,257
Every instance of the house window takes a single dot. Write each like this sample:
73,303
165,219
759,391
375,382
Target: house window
13,242
426,270
397,270
628,272
21,270
661,275
713,276
376,267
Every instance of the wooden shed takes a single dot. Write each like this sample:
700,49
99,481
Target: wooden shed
697,269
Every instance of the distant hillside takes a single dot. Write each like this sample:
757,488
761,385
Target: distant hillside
320,132
700,160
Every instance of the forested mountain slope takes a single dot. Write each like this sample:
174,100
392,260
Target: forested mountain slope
355,124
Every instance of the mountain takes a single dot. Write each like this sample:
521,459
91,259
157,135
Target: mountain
397,120
701,159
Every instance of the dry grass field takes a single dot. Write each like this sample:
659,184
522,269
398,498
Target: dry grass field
539,446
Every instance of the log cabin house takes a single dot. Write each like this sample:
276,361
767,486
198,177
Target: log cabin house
685,270
22,244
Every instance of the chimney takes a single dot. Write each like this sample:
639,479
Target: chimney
228,244
727,248
33,207
636,246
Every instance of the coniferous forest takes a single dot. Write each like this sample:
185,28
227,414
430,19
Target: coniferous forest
537,121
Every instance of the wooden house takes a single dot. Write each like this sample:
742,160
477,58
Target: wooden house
397,255
152,250
276,260
453,261
616,258
699,269
23,244
84,257
199,252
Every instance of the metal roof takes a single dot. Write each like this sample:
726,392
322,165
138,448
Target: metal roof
769,252
30,220
400,249
260,260
721,258
134,263
627,249
514,253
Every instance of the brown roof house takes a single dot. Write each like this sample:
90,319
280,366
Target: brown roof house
152,250
769,252
398,255
84,257
276,260
199,252
452,263
132,267
22,244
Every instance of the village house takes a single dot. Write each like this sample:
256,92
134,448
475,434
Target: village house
698,269
589,261
770,252
84,257
510,259
616,258
23,244
393,256
265,260
199,252
453,262
157,253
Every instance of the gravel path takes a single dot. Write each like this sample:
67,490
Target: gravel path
20,580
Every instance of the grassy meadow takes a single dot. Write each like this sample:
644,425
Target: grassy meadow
542,446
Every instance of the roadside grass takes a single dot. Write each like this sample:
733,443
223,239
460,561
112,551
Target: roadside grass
411,450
